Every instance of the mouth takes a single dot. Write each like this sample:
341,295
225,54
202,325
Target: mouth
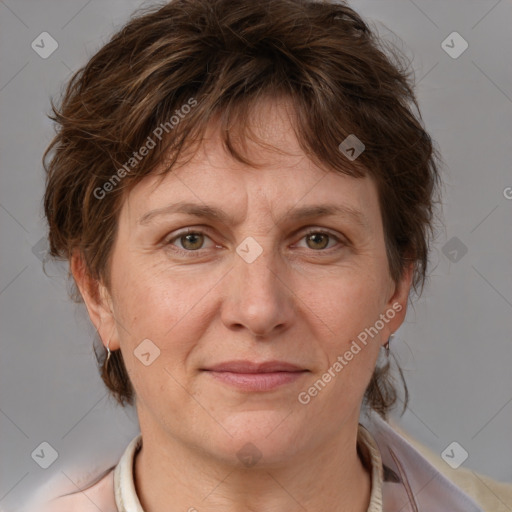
251,376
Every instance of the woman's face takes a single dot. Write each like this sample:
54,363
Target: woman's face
250,284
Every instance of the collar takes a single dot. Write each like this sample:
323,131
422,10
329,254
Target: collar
124,485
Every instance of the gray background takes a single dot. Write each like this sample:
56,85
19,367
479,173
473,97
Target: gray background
455,347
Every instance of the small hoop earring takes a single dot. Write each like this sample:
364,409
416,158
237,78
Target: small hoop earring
386,345
108,352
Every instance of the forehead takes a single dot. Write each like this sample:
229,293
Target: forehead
285,178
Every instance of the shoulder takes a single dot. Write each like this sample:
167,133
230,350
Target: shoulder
96,496
491,495
88,491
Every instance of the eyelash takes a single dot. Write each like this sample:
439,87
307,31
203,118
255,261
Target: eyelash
199,252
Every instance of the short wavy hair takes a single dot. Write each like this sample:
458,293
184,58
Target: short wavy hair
220,58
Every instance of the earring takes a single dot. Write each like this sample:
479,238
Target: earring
386,345
108,352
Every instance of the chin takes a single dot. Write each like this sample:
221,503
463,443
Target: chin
259,437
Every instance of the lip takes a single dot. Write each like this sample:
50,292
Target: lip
244,366
250,376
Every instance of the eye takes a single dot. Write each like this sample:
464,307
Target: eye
190,241
319,240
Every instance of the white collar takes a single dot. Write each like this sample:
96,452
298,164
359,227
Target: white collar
124,486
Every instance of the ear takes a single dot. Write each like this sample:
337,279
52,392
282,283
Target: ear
97,300
396,305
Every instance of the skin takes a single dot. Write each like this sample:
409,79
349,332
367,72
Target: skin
303,300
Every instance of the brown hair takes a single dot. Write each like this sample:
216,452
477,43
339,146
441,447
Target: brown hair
219,58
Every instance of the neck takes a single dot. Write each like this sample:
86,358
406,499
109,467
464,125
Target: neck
167,471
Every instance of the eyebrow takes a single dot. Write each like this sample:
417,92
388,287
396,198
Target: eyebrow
302,213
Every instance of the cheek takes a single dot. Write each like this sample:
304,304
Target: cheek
147,299
164,306
347,304
345,313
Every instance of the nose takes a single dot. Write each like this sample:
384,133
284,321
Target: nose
259,298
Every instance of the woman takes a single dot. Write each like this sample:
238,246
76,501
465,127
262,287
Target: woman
245,199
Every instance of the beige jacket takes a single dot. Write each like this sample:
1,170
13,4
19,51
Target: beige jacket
491,495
